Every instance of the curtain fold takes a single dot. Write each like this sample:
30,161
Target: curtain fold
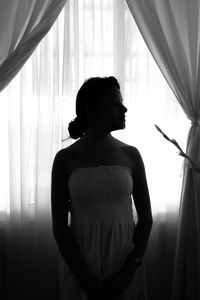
23,24
171,31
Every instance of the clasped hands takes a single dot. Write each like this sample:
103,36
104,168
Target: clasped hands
112,287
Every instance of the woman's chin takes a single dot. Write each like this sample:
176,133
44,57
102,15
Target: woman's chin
123,123
120,126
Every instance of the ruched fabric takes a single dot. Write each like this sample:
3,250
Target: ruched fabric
103,225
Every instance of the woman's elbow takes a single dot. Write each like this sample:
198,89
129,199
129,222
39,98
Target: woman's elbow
57,231
147,221
60,231
149,218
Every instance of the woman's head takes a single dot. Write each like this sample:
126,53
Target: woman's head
96,102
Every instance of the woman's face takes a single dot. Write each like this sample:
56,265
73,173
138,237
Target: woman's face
110,113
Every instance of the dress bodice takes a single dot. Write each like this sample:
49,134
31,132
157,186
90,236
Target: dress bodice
101,193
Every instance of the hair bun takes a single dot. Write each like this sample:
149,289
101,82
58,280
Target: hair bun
75,129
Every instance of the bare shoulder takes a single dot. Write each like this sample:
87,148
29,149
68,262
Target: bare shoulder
66,156
132,154
130,149
67,151
120,143
134,157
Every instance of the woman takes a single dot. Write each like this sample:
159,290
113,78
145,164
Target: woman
95,179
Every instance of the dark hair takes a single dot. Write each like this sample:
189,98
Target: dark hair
89,95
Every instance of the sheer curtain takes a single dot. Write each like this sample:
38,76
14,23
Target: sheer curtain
171,31
90,38
30,134
23,23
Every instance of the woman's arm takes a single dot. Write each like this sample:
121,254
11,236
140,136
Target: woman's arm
143,207
66,243
60,206
121,280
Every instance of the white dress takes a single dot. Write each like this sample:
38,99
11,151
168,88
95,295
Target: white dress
103,226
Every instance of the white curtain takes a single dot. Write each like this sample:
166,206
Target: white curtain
23,23
30,121
171,30
90,38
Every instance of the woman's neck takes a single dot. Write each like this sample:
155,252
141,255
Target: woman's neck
97,138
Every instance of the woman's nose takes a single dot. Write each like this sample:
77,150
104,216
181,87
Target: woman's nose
124,109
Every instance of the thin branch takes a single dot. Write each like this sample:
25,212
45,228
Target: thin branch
193,165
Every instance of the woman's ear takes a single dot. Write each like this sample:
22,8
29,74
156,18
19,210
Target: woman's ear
91,112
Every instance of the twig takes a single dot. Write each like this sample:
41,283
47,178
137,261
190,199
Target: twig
193,165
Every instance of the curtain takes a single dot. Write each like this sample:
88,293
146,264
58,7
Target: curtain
90,38
30,121
171,31
23,23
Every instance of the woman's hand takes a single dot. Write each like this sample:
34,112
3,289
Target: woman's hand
120,281
98,294
94,289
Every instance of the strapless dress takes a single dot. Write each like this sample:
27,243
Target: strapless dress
102,222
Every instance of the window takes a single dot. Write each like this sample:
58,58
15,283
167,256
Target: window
90,38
